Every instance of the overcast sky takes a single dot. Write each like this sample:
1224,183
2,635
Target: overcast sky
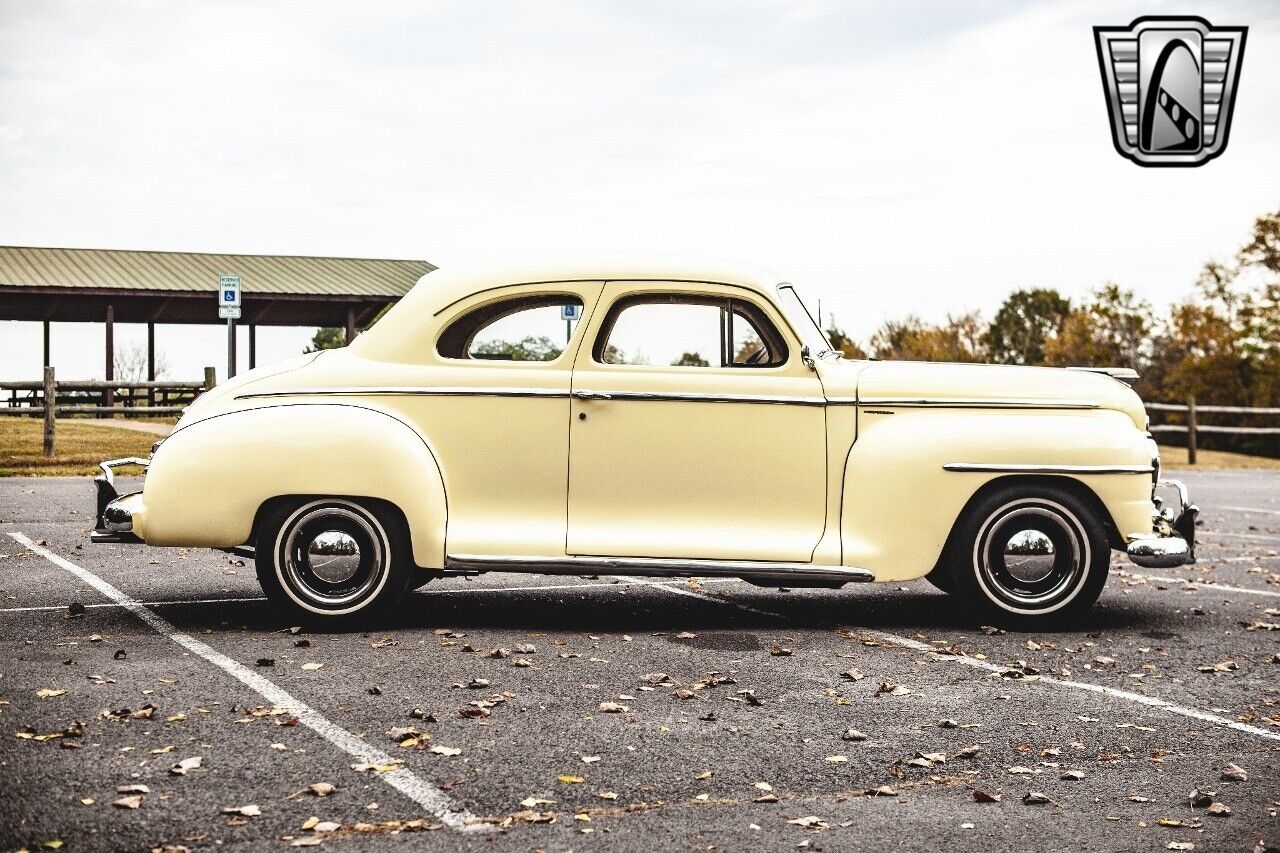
888,157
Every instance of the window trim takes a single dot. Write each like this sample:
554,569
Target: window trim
746,308
521,302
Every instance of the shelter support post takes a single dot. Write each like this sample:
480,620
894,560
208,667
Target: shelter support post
110,367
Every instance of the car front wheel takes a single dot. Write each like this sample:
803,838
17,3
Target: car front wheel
1030,556
333,560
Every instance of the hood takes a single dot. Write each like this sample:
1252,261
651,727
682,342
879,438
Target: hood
870,381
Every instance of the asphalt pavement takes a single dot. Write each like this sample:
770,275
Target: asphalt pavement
150,699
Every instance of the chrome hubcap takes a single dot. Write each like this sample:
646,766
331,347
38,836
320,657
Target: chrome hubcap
1031,555
332,556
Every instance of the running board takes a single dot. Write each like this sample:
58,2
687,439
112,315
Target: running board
783,573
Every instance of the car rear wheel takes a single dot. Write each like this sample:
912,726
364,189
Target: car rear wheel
1030,557
333,560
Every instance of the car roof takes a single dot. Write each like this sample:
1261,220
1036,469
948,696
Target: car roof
441,288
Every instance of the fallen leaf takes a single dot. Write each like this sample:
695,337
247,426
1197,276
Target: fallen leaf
883,791
613,708
321,789
891,689
1035,798
837,759
981,796
1234,773
570,780
312,666
446,750
181,768
243,811
810,821
131,802
49,693
853,734
1219,810
132,789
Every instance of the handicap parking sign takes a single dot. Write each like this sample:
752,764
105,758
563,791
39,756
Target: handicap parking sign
570,312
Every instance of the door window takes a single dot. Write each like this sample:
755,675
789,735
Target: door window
526,328
689,331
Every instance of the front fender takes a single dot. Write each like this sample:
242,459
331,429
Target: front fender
208,480
900,505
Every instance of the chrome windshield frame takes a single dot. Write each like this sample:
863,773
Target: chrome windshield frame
820,346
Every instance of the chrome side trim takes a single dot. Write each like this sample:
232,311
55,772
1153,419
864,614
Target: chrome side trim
694,397
570,565
976,403
1003,468
407,391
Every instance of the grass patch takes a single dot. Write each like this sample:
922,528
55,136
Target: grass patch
78,447
1215,460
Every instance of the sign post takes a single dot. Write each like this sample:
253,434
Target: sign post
570,313
229,309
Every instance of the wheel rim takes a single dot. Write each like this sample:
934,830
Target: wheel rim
1032,556
332,557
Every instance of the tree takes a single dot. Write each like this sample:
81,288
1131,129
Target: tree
691,359
526,349
130,363
911,339
842,343
1026,320
1110,329
327,337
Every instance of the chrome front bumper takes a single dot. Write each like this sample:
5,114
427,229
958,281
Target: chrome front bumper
115,511
1172,541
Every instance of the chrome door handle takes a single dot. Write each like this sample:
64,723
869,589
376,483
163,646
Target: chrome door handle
592,395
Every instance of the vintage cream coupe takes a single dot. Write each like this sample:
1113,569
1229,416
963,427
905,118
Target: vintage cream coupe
646,418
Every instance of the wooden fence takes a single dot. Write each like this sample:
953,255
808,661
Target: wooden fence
1192,427
51,398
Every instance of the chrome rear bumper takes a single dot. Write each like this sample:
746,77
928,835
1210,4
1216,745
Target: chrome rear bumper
1172,541
115,511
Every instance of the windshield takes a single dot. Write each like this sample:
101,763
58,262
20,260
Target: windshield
808,329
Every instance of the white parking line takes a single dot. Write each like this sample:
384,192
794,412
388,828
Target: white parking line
1250,509
110,604
431,798
1204,586
183,602
916,645
1256,536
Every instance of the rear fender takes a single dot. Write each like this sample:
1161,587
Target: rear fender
207,481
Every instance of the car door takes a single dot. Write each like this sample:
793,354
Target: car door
697,431
497,415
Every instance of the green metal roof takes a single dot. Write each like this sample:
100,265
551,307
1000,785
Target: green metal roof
22,266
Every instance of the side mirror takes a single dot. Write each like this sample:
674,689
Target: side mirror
807,357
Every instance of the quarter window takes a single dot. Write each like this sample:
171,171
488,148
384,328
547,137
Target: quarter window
527,328
689,331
